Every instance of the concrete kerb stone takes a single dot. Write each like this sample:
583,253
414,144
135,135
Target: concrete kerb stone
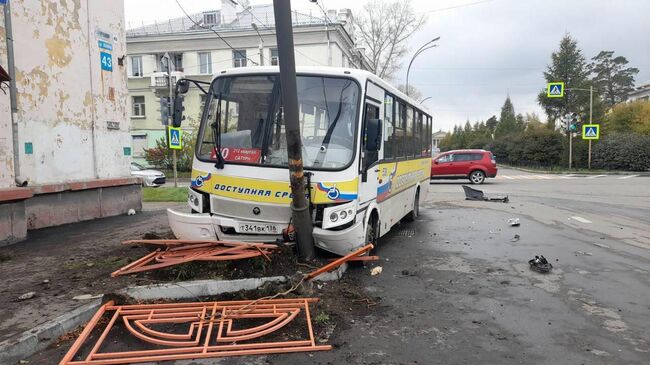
39,337
581,172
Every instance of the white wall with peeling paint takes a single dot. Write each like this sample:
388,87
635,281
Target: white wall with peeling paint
65,100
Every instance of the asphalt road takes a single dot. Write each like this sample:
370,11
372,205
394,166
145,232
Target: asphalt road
456,289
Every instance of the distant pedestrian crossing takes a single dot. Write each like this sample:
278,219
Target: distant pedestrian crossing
562,177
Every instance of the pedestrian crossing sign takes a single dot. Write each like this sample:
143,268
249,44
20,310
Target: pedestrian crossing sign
590,131
555,90
175,142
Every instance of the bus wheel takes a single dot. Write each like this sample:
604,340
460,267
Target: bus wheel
372,230
413,214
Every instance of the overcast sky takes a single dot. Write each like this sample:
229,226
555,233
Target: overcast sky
488,48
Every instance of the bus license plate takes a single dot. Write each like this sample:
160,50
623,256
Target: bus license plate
258,228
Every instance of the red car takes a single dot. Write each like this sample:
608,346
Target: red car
475,165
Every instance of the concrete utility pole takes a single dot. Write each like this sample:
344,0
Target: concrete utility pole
591,112
11,70
300,214
169,114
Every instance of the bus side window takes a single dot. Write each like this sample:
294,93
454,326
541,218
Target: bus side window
371,112
389,138
410,136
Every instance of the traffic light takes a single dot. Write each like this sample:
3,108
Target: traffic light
177,116
573,123
164,108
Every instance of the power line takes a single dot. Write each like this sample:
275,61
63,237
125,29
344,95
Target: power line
457,6
214,31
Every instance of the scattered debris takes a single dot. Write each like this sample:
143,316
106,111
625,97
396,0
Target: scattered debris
45,281
338,262
177,252
582,253
493,232
513,222
475,194
87,296
515,238
376,270
216,329
27,296
131,212
540,264
368,302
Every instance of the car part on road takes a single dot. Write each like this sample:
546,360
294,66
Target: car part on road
513,222
376,270
178,331
177,252
515,238
338,262
540,264
475,194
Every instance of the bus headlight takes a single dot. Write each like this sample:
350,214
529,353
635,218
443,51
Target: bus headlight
195,200
339,214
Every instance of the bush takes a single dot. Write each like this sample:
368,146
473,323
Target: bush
622,151
161,156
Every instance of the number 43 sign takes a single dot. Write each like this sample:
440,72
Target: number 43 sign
106,61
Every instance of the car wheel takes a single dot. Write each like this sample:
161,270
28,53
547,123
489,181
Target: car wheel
477,177
413,214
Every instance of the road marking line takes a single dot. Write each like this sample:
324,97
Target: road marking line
580,219
522,177
596,176
627,177
545,177
506,177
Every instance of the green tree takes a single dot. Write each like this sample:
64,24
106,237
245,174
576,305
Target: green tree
632,117
491,123
508,121
569,66
612,78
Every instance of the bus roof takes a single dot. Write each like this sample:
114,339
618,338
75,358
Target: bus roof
358,74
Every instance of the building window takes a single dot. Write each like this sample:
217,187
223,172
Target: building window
210,18
138,106
274,56
136,66
178,61
239,56
205,62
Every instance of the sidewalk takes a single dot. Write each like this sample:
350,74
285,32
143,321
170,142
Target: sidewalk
581,172
62,262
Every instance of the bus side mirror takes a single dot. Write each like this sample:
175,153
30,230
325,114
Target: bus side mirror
373,134
182,86
178,111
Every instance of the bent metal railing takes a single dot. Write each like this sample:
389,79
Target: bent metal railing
176,331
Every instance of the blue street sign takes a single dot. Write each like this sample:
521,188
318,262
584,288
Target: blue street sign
103,44
175,138
591,131
106,61
3,1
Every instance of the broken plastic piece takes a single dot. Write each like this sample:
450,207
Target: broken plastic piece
183,331
513,222
515,238
177,252
475,194
376,270
540,264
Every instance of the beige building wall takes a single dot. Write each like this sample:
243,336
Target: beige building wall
72,116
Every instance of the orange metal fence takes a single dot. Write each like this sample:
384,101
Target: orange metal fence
176,331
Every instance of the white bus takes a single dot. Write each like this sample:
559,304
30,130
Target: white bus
366,145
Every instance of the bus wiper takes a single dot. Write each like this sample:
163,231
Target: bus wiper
216,136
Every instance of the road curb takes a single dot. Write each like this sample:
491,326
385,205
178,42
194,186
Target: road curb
41,336
640,173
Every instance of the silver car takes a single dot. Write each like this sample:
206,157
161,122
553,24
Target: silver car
149,177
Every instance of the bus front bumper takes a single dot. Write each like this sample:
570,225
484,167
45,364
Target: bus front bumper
197,226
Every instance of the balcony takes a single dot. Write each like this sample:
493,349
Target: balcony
160,80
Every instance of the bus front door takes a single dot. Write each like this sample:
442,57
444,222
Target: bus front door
369,168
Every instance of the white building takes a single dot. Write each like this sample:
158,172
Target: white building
66,140
436,137
640,93
197,52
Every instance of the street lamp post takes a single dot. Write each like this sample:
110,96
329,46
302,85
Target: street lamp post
261,44
425,99
424,47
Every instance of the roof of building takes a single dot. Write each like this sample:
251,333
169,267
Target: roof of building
645,87
260,15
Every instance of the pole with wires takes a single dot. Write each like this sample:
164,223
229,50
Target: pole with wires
300,214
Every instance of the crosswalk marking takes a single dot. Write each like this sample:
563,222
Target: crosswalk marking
627,177
595,176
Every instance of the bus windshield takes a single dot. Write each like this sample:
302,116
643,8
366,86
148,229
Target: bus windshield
244,121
